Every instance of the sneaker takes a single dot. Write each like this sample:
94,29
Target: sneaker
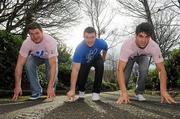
140,97
95,96
81,94
35,96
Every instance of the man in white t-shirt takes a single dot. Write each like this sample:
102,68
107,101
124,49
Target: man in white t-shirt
39,48
138,49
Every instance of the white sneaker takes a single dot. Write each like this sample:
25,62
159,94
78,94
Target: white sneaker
140,97
95,96
81,94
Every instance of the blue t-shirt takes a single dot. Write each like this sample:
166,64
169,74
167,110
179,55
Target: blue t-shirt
85,54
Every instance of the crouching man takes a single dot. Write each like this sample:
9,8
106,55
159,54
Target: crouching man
39,48
91,52
137,49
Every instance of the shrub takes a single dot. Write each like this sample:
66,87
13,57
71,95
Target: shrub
152,82
106,85
9,48
172,65
64,67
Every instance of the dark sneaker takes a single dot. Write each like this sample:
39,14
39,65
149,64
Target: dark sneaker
35,96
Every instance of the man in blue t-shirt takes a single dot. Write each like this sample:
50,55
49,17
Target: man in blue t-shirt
91,52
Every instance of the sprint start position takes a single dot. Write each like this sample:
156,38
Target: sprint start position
38,48
91,52
137,49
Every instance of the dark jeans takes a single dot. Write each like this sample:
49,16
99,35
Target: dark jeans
98,64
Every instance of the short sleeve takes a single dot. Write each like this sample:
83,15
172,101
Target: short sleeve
52,49
124,53
157,55
105,46
25,49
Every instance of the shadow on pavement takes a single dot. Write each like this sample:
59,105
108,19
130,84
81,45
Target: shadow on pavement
74,110
158,108
86,109
114,112
9,106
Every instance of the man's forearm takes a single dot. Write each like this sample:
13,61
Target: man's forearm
18,75
74,75
163,79
53,77
121,81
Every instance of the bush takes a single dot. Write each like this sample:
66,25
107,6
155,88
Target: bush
64,64
106,85
172,65
152,81
64,67
9,48
42,76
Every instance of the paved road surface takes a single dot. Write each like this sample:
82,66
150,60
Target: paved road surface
87,109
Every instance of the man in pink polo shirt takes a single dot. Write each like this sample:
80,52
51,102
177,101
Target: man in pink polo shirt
138,49
39,48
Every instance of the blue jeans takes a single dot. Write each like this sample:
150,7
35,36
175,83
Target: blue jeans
143,63
31,67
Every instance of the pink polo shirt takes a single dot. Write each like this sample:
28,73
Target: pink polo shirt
45,49
130,49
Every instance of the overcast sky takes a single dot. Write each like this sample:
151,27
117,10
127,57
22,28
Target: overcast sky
74,35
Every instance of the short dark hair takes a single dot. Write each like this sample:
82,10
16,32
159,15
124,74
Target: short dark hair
90,30
34,25
144,27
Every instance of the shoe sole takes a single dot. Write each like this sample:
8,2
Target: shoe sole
95,100
138,99
34,98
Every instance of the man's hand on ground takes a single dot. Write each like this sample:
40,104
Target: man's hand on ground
70,96
123,98
17,92
50,92
166,98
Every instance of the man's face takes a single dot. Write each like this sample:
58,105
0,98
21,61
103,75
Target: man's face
142,40
36,35
90,38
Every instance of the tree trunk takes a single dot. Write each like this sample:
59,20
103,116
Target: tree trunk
148,17
29,19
